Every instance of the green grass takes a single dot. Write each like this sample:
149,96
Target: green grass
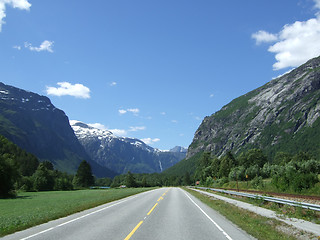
33,208
254,224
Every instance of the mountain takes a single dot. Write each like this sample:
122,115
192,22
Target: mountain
123,154
178,149
33,123
283,115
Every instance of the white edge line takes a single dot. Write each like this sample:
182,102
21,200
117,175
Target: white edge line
224,233
86,215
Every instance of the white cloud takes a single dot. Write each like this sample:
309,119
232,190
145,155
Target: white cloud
20,4
296,43
264,37
76,90
135,111
135,129
45,46
113,84
122,132
174,121
17,47
163,113
150,141
98,125
122,111
119,132
211,95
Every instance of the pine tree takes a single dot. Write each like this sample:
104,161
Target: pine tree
130,181
84,177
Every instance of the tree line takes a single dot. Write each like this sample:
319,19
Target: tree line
287,172
20,170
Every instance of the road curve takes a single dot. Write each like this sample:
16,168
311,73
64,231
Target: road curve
166,213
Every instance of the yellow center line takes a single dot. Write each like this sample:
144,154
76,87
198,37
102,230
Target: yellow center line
160,198
152,209
133,231
139,224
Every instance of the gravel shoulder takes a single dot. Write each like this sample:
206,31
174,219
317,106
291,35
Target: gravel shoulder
296,223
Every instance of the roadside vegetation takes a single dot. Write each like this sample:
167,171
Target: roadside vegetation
256,225
252,170
280,209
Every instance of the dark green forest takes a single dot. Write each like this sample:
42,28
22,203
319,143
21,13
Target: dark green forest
20,170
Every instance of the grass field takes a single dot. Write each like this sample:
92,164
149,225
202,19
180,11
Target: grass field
33,208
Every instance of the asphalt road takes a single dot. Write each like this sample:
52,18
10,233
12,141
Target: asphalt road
166,213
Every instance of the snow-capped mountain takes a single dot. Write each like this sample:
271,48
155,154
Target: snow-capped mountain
33,123
122,154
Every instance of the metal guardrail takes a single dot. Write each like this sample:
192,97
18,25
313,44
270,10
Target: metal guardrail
310,206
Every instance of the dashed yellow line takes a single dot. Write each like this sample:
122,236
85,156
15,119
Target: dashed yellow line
160,198
133,231
152,209
139,224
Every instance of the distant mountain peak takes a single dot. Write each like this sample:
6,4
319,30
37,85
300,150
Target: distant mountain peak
123,154
179,149
83,130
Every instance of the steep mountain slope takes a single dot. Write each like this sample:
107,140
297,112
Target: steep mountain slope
282,115
124,154
34,124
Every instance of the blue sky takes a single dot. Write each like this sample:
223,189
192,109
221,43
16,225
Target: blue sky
152,69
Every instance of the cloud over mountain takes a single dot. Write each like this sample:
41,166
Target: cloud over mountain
76,90
295,43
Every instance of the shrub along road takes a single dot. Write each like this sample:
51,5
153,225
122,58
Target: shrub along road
166,213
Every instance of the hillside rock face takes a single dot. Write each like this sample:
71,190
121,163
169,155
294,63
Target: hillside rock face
282,115
34,124
124,154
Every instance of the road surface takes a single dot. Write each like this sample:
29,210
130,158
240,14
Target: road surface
166,213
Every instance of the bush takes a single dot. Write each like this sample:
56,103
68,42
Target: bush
63,184
25,184
237,173
253,171
43,179
209,181
257,182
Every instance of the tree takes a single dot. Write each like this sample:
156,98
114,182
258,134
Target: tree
227,163
144,181
252,157
8,175
83,177
281,158
187,179
43,178
130,181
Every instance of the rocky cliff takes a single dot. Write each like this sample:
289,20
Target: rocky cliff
282,115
